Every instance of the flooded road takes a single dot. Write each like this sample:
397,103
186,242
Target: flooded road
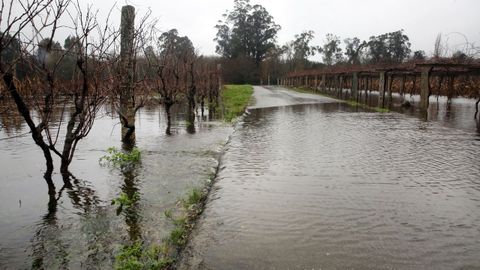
79,228
308,182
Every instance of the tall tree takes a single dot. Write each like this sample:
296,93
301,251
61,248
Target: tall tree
353,49
393,47
332,53
398,46
419,55
300,49
248,32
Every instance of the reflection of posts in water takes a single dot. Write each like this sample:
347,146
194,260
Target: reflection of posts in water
402,88
450,89
132,216
127,104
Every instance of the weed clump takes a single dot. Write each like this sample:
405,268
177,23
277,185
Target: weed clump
122,159
136,256
124,201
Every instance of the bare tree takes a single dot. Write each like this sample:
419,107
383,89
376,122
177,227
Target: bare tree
45,90
134,90
172,60
439,49
89,85
13,27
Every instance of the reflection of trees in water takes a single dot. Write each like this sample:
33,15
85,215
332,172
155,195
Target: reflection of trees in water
47,243
44,231
10,121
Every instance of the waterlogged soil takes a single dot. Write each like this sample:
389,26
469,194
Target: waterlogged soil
79,228
308,182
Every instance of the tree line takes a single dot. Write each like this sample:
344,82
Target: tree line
247,41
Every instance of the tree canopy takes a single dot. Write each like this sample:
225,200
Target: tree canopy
332,53
246,31
391,47
298,50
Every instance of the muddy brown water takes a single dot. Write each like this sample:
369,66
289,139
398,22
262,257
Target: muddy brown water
308,182
82,230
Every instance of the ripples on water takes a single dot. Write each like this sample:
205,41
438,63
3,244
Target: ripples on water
82,230
327,186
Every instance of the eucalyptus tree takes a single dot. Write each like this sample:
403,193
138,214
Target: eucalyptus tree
246,32
353,50
299,49
332,52
393,47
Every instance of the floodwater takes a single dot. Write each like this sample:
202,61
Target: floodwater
308,182
79,228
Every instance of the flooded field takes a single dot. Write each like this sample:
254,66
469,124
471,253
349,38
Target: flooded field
80,228
308,182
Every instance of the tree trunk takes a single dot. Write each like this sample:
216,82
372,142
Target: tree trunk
191,102
190,120
168,106
202,105
127,105
67,146
36,131
476,108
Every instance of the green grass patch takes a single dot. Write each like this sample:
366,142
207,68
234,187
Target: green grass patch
194,197
235,99
138,257
124,201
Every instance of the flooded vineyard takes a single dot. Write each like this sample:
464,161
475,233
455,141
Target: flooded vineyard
132,137
78,227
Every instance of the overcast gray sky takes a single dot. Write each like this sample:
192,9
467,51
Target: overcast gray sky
422,20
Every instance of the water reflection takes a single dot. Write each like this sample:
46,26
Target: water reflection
74,225
48,247
10,120
39,241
